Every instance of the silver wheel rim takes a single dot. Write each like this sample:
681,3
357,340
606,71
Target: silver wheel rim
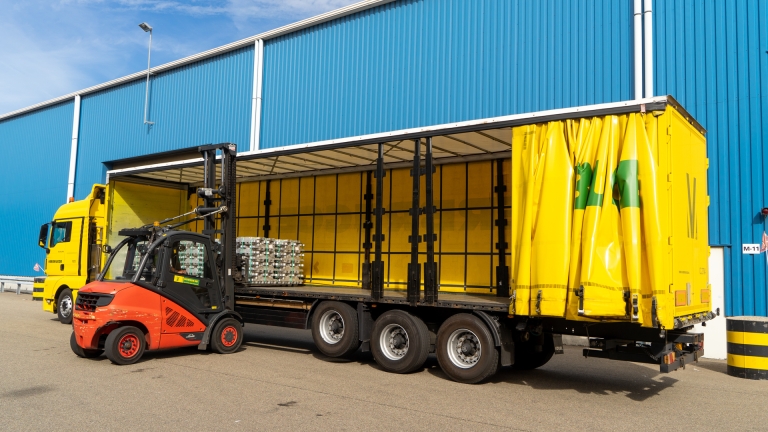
464,348
331,327
393,342
65,305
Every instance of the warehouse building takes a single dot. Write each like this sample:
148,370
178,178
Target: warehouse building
384,65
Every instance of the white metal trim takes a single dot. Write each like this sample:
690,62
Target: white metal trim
386,136
648,34
73,149
258,78
637,24
290,28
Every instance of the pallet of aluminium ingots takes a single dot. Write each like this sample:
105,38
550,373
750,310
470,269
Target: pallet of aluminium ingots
268,261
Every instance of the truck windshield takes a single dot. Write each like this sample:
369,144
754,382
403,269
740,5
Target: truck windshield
126,260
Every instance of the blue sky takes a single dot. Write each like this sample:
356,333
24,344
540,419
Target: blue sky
51,48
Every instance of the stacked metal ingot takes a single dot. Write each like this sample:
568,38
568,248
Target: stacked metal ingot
271,261
192,258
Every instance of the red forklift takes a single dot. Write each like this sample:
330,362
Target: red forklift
167,288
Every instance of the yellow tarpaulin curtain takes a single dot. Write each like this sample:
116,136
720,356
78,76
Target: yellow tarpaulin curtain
586,239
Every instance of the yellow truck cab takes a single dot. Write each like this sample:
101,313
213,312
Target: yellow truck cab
73,246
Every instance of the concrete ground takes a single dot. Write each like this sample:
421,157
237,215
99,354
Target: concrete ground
278,381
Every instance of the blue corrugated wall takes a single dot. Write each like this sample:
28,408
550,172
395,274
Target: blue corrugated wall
420,62
713,57
35,169
204,102
413,63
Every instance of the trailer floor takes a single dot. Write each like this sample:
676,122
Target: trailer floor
488,302
279,381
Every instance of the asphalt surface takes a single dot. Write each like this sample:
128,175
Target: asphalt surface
278,381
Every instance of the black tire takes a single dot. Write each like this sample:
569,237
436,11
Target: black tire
80,352
399,342
466,350
125,345
335,329
526,356
65,306
227,336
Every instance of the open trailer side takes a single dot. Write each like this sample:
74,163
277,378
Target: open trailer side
481,241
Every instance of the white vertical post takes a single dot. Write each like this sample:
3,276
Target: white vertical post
146,87
73,149
258,75
648,19
638,32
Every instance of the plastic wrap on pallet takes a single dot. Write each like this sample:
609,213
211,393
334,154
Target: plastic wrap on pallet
271,261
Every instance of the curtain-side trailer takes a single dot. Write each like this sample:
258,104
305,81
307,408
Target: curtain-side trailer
482,242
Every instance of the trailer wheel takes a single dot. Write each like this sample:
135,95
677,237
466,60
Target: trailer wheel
335,329
125,345
227,336
64,306
466,350
526,356
81,352
399,342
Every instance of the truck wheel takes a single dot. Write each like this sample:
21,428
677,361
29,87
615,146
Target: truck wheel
526,356
227,336
334,329
64,306
80,352
465,349
125,345
399,342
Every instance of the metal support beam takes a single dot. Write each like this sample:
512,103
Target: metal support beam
502,271
229,222
267,204
430,267
377,266
367,226
258,74
73,150
414,269
209,176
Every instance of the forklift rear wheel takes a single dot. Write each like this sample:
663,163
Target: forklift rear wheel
227,336
125,345
80,352
399,342
335,329
64,306
526,356
466,350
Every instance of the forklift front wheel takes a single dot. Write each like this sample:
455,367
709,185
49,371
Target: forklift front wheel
227,336
125,345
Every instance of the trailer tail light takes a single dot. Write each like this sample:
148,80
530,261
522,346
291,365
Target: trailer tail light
669,358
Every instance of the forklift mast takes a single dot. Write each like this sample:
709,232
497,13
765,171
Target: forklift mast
224,224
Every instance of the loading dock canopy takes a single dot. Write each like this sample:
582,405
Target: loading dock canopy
455,142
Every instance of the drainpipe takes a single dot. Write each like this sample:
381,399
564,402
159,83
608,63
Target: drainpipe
648,18
258,75
638,27
73,150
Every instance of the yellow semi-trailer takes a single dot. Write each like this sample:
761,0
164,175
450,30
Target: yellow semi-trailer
587,221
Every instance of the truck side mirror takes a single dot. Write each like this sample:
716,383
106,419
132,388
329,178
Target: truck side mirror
108,249
43,237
